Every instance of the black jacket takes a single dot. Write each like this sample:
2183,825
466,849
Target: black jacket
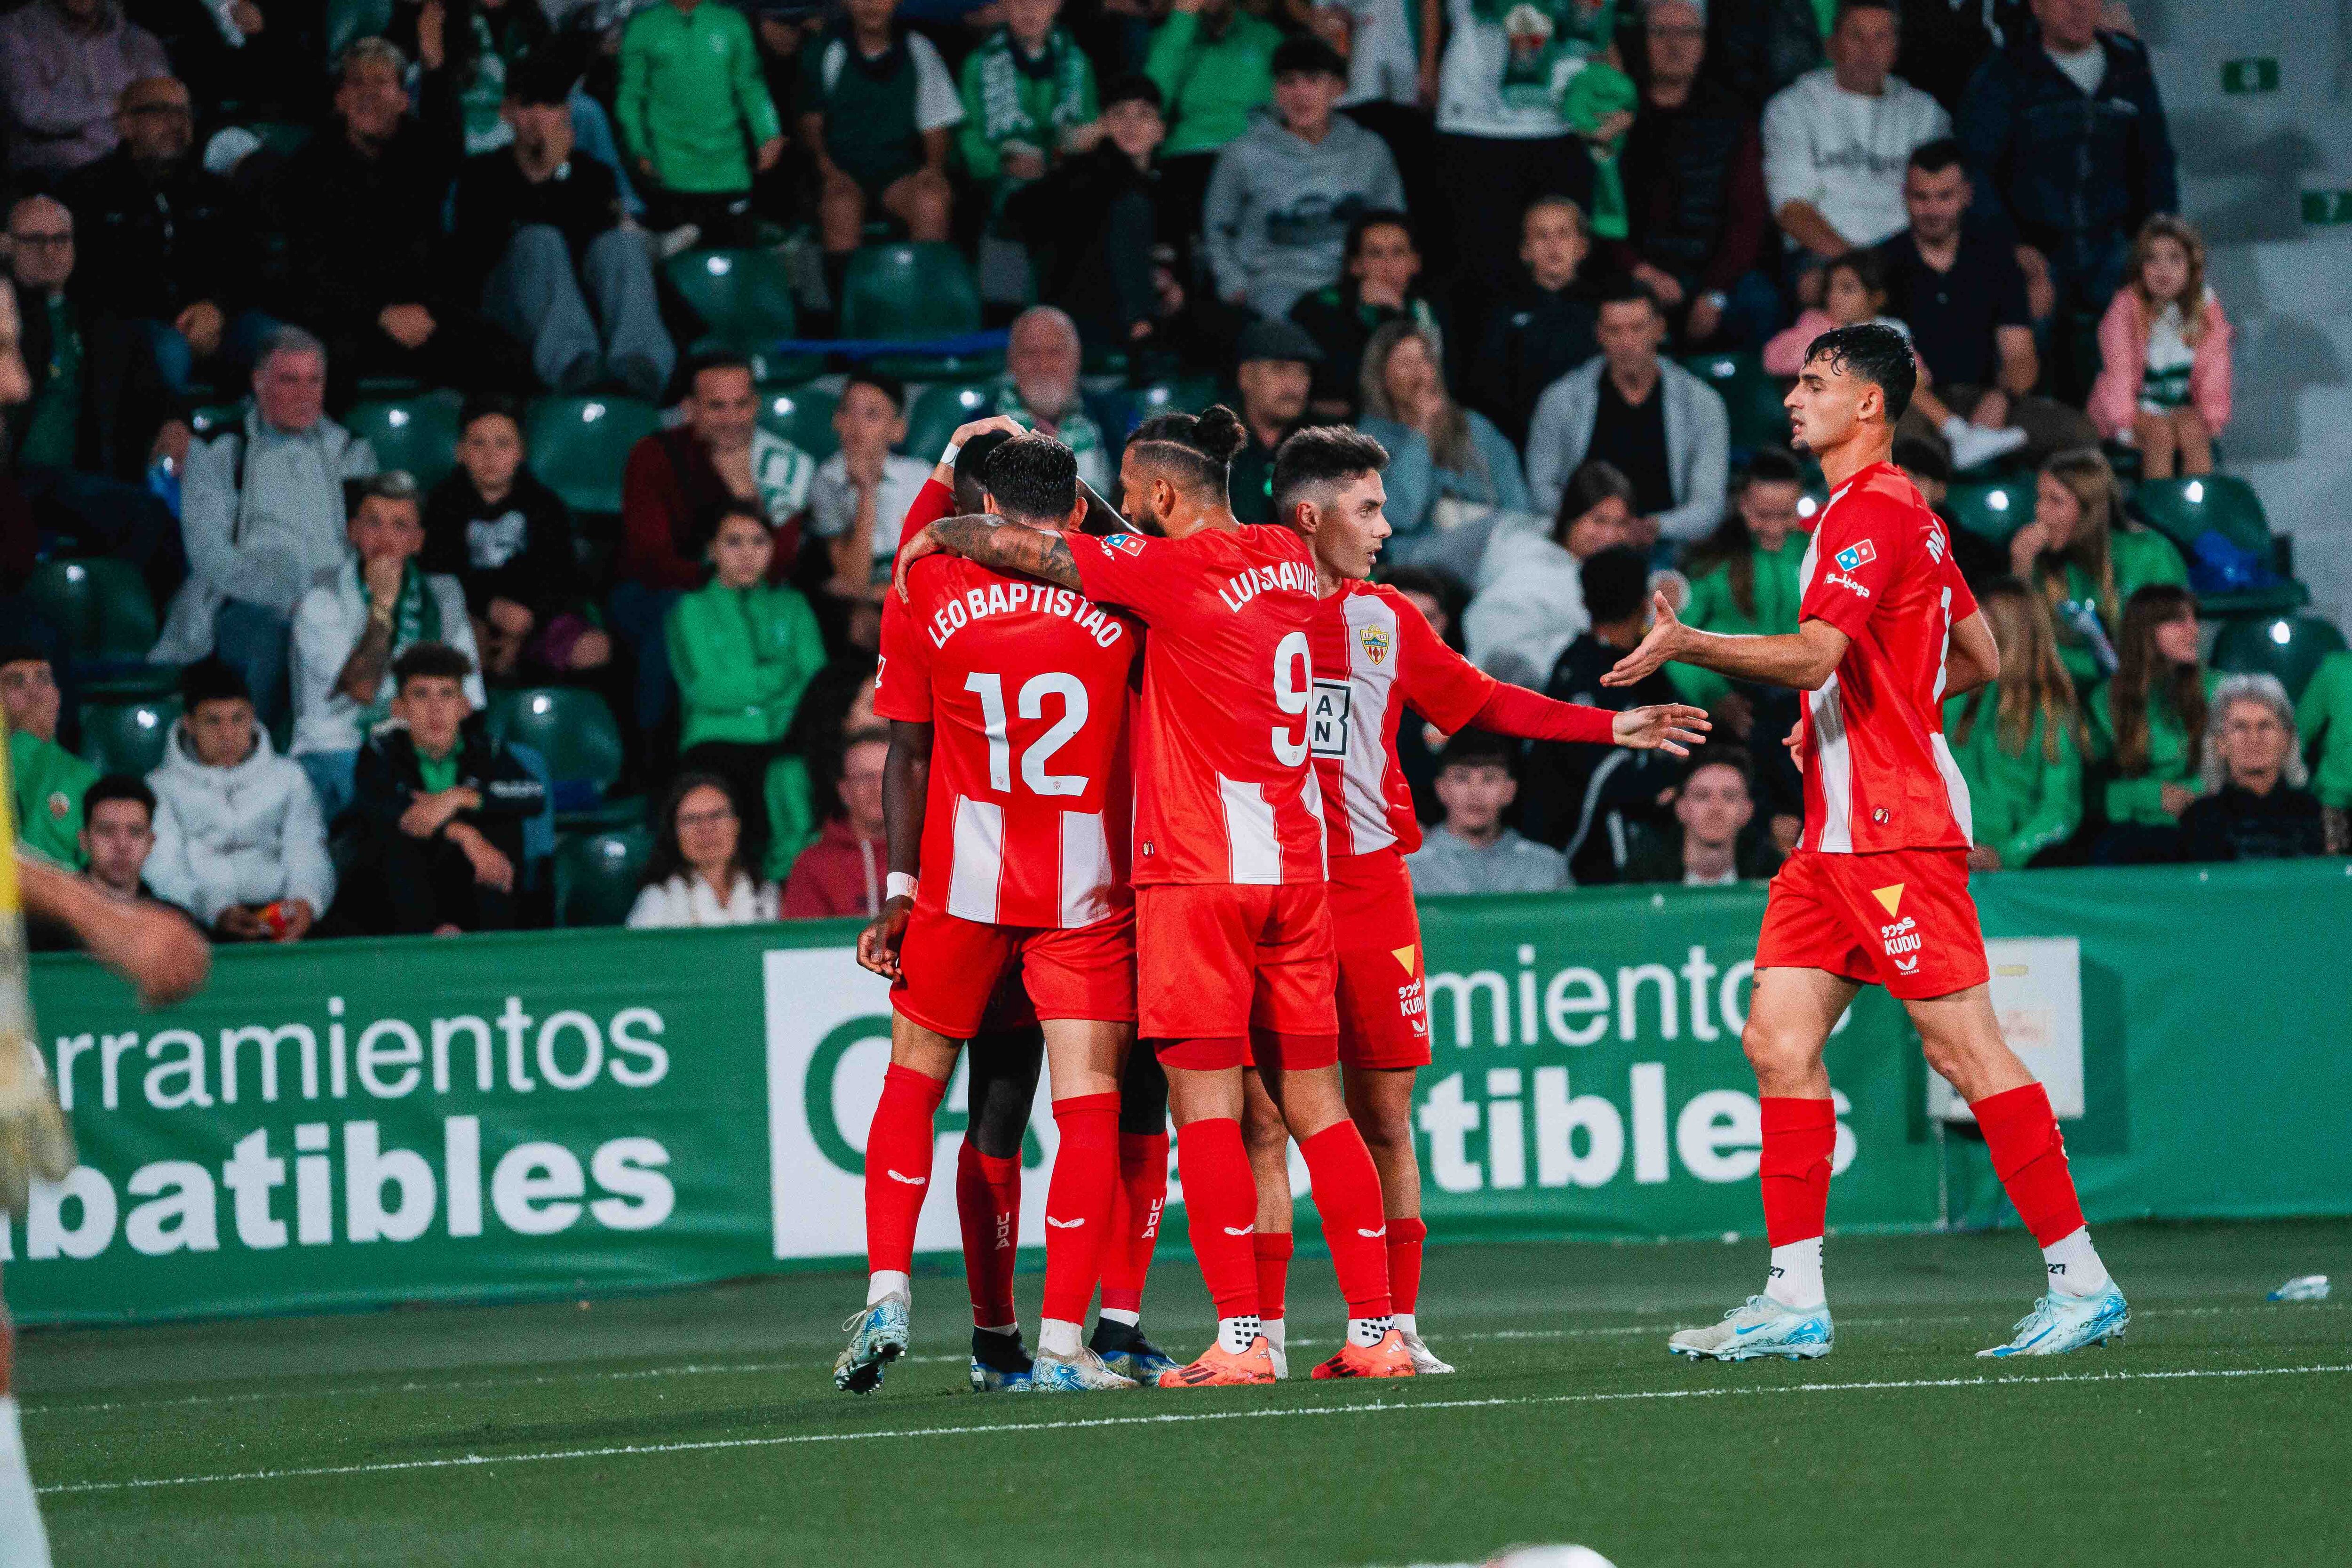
520,549
152,244
360,232
1093,223
582,199
1342,325
1533,337
1585,799
386,781
1655,855
124,399
2239,825
1694,176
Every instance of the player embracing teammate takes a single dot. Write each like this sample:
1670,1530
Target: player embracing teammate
1876,892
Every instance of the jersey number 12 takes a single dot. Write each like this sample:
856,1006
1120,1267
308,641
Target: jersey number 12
990,689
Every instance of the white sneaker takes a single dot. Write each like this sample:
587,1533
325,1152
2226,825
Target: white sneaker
1425,1360
1759,1327
2061,1323
1973,445
1081,1373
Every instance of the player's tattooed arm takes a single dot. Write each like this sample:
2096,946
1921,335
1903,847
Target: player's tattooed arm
999,546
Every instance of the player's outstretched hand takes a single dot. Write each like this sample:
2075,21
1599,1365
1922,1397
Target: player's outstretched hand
1674,727
924,543
878,944
1655,649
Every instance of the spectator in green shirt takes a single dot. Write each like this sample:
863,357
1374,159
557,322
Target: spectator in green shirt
877,104
1743,576
2148,726
1028,98
1215,64
691,100
2019,740
2324,718
743,652
49,780
2088,559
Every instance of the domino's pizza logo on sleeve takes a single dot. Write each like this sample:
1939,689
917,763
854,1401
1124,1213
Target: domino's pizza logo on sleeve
1126,544
1855,556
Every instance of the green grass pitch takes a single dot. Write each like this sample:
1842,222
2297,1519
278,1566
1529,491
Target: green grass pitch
702,1428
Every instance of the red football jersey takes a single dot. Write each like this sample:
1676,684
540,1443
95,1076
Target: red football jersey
1026,684
1878,773
1225,789
1375,656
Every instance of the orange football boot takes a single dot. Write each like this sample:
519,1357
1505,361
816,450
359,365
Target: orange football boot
1219,1367
1389,1358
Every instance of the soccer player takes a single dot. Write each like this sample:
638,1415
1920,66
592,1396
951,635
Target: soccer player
1374,657
1236,957
1012,694
1876,892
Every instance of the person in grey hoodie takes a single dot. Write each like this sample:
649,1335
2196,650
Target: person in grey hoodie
240,841
1285,190
1471,851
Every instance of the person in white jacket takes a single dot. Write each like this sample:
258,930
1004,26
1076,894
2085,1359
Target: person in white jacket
1530,598
697,875
240,841
1836,141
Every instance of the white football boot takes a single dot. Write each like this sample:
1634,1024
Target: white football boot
1081,1373
1425,1360
2061,1323
1759,1327
877,1336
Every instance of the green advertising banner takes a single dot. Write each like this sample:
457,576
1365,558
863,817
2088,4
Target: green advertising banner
579,1111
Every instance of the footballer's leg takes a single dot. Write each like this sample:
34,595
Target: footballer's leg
1219,1206
1143,1196
898,1177
1268,1140
1086,1055
1000,1088
1789,1016
1380,1100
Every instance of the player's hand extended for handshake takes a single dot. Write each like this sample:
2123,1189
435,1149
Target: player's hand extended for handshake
1654,650
1672,727
878,944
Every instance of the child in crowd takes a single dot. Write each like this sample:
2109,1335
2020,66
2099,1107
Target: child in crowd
2087,558
2148,726
698,874
2018,739
1543,326
862,491
2164,347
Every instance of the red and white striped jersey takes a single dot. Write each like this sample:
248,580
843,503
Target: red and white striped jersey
1878,773
1375,656
1224,791
1025,685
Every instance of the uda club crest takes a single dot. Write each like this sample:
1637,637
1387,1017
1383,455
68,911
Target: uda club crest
1376,643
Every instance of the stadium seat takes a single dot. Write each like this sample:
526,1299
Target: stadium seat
802,416
575,733
596,876
911,291
128,737
579,445
1183,395
938,410
418,434
745,301
2289,647
349,21
2183,509
100,607
1752,397
1992,510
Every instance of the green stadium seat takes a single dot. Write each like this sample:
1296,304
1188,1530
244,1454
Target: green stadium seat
2183,509
802,416
2289,647
418,434
910,291
216,419
1991,510
745,301
1181,395
100,607
579,445
938,410
1752,397
128,737
596,876
572,729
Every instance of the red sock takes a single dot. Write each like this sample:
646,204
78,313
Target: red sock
1079,1200
1274,1249
1220,1211
1348,1196
1405,1237
899,1166
2029,1157
987,1204
1135,1220
1799,1136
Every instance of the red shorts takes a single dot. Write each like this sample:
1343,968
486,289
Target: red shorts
1226,970
1902,918
1384,1006
950,970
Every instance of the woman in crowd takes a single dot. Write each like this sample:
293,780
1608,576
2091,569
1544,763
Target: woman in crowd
1531,602
2087,559
1403,388
2148,726
698,874
2255,806
2018,739
507,538
2164,350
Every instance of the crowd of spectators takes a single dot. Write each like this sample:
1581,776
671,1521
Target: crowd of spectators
1491,234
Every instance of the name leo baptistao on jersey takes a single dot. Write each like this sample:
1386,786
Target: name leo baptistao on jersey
1878,773
1025,685
1225,789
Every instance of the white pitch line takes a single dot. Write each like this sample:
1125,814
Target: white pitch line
701,1369
1393,1407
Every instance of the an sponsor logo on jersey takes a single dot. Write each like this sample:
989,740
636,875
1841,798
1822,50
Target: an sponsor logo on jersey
1839,579
1853,557
1327,719
1128,543
1285,577
1376,643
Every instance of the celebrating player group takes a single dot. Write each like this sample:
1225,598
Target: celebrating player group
1146,822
